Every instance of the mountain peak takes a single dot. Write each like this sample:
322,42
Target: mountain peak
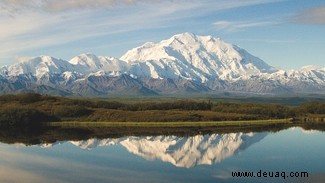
185,36
190,37
83,59
196,57
46,57
88,63
38,66
89,54
309,68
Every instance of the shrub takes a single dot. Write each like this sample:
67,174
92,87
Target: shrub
311,108
109,105
71,111
23,117
266,110
28,98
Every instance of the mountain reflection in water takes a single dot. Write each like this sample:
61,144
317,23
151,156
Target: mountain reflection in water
179,151
52,157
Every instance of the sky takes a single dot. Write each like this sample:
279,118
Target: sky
284,33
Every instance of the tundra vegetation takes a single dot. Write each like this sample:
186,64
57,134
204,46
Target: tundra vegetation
33,109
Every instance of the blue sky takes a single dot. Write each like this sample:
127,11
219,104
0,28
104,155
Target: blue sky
284,33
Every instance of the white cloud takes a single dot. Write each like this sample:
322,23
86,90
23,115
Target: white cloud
311,16
62,5
37,24
233,26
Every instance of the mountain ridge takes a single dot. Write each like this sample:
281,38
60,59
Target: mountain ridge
184,63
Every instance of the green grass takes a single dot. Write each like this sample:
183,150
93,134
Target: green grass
173,124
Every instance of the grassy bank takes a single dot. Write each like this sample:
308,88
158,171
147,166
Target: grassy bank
173,124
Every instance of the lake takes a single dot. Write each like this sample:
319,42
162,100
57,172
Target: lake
269,156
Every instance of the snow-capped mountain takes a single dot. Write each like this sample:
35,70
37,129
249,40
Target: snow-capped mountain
90,63
180,151
38,67
184,63
198,58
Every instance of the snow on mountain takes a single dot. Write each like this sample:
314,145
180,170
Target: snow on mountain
82,64
90,63
194,57
183,63
38,66
308,73
93,143
180,151
191,151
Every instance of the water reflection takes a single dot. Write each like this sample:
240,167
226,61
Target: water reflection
39,167
163,158
180,151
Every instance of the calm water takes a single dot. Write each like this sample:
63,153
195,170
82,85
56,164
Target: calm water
200,158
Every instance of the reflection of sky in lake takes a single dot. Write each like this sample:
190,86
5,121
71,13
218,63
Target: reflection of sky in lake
288,150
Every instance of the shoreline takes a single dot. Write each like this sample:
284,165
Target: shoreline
62,131
174,124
